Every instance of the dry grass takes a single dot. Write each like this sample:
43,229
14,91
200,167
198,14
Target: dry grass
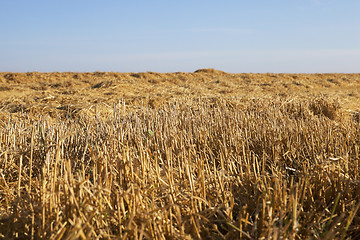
190,168
58,94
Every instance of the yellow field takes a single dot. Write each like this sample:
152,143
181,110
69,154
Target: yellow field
55,93
204,155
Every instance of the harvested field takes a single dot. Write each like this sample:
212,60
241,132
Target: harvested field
203,155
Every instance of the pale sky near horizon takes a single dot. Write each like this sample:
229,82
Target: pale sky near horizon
289,36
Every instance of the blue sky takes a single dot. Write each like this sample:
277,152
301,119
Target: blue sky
167,36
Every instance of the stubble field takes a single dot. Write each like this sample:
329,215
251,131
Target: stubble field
203,155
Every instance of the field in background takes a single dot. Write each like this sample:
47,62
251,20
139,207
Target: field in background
57,94
207,155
